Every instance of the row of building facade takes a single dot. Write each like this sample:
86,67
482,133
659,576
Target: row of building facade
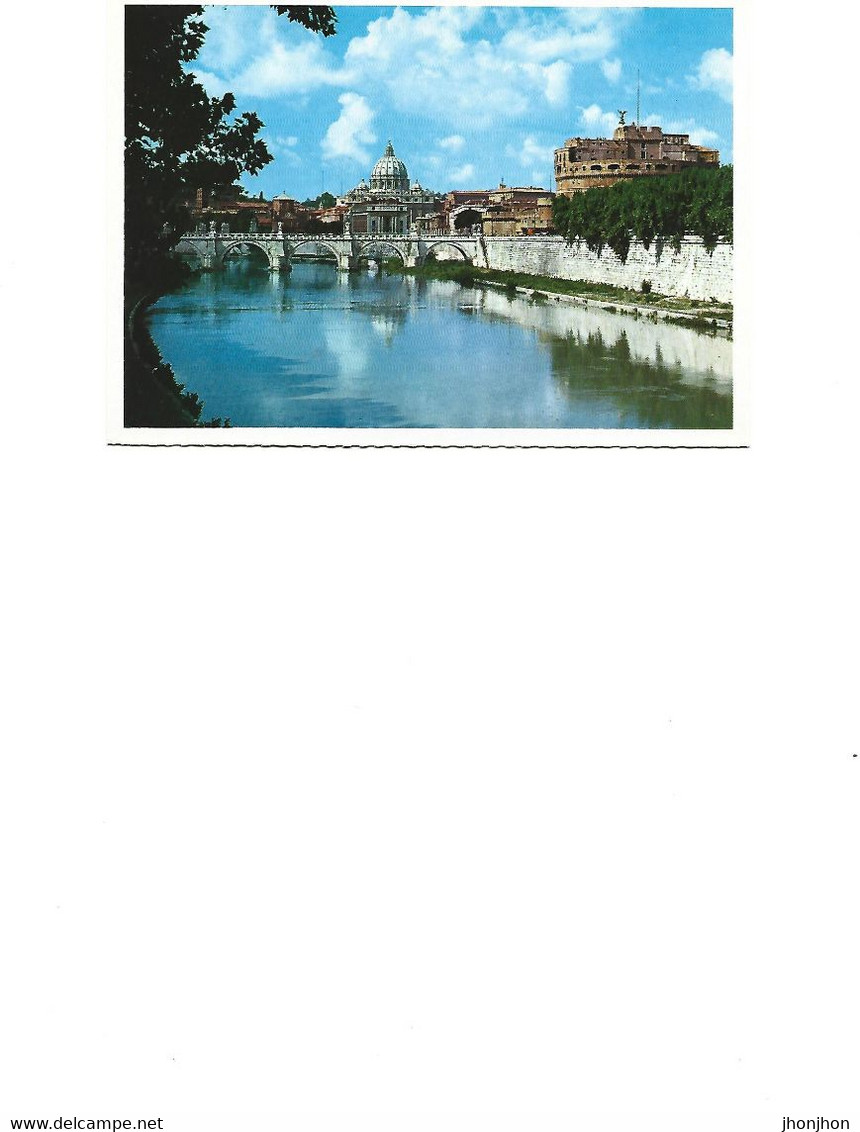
391,204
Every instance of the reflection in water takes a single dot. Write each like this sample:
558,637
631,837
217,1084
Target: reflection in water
651,394
318,347
700,356
387,323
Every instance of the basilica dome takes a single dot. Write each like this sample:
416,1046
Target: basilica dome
389,173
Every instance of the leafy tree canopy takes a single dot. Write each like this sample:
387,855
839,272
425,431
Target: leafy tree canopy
697,202
324,200
178,138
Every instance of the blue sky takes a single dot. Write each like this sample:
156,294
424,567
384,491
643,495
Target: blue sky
468,95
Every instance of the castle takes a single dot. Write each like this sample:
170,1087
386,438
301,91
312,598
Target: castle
632,151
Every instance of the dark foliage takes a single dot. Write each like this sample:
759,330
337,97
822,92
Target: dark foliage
178,138
314,18
324,200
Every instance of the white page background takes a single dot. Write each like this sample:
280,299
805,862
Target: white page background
420,790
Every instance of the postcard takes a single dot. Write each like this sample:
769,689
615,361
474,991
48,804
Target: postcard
504,226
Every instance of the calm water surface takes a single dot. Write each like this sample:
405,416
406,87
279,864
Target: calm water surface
323,348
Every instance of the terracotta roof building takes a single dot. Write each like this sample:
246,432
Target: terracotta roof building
518,211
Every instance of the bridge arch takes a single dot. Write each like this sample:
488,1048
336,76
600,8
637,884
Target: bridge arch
446,244
362,249
224,251
187,247
293,248
466,216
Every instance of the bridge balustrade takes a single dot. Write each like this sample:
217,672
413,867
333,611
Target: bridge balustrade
251,236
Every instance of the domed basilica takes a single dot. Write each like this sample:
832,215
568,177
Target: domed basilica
390,204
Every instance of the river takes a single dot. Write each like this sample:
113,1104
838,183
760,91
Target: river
323,348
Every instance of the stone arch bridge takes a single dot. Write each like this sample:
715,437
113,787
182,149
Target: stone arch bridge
211,248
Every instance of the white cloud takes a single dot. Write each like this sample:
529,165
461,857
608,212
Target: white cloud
289,70
439,29
234,32
532,153
284,149
598,119
214,85
585,35
611,69
464,173
699,135
464,66
351,130
715,73
260,55
459,65
556,77
425,64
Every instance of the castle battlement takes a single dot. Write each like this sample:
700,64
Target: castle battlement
632,151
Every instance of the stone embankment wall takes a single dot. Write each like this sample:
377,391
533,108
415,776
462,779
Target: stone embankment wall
692,271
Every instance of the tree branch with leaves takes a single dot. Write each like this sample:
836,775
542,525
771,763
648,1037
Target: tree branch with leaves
177,137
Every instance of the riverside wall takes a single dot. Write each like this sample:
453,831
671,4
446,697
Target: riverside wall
691,271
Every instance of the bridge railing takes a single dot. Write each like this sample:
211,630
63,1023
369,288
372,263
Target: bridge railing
363,237
250,236
459,233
